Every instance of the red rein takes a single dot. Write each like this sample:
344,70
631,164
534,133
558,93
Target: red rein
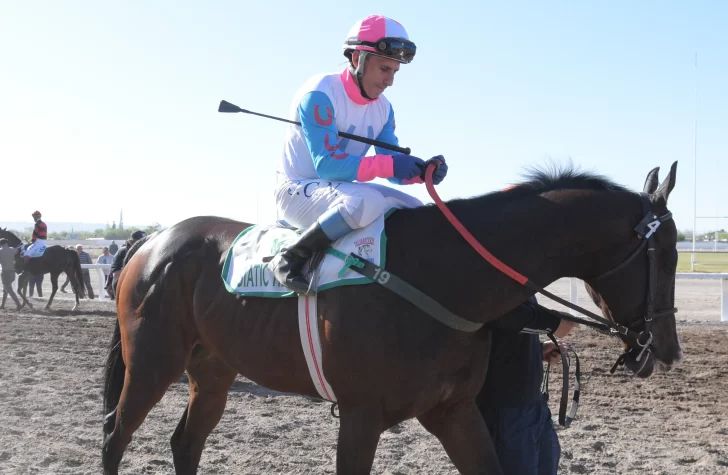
494,261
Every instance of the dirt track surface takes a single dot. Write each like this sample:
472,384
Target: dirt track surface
51,414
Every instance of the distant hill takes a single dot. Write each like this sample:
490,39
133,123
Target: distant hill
54,226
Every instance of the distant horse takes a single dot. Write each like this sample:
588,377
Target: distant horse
386,360
55,260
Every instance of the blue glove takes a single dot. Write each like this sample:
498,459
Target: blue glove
441,171
407,167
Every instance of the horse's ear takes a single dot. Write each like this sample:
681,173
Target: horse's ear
651,181
666,187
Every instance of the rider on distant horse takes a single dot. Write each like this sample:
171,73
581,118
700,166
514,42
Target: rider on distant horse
316,188
38,241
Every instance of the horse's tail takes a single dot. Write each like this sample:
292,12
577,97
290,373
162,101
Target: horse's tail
114,380
77,281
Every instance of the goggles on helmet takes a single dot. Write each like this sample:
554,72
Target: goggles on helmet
393,48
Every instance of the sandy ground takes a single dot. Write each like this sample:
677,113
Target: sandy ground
51,383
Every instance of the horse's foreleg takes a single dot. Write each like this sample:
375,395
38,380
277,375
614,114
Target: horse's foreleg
210,380
465,437
359,434
54,288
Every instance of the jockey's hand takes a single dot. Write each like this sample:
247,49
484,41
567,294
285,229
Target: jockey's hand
407,167
441,171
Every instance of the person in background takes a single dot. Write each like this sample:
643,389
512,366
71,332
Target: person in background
85,259
118,264
7,263
106,258
114,248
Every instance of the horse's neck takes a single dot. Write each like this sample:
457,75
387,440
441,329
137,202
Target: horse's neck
598,234
559,234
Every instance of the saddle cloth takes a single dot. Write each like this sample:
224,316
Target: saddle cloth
245,272
37,249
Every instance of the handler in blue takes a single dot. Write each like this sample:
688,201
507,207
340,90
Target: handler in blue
517,416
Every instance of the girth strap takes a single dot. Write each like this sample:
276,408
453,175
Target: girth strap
406,291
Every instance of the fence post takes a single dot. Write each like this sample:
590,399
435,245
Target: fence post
573,293
724,300
102,281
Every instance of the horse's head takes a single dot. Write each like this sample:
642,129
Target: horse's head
13,240
639,293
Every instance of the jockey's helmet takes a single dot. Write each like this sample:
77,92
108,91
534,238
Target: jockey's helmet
380,36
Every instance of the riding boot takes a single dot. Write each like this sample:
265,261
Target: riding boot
287,265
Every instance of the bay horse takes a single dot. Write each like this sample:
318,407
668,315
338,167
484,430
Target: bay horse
55,260
386,360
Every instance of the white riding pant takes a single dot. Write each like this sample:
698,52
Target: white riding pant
301,202
36,249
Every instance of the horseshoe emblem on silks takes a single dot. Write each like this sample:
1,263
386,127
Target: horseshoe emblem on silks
329,119
333,148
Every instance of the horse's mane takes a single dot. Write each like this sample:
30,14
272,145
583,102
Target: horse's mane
555,177
539,180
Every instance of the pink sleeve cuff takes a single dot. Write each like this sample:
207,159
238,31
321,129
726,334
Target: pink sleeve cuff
412,181
378,166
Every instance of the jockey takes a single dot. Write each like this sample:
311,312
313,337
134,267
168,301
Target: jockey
38,241
321,178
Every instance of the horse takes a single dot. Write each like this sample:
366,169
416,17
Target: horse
386,360
55,259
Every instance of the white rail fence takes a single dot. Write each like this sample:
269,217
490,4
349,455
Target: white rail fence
101,276
574,285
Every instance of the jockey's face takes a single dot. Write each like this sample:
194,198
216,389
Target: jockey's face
378,73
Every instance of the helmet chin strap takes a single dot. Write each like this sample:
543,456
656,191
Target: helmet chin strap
358,72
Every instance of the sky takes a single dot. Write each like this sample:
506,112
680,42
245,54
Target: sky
111,105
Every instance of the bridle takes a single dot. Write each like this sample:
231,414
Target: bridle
641,342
